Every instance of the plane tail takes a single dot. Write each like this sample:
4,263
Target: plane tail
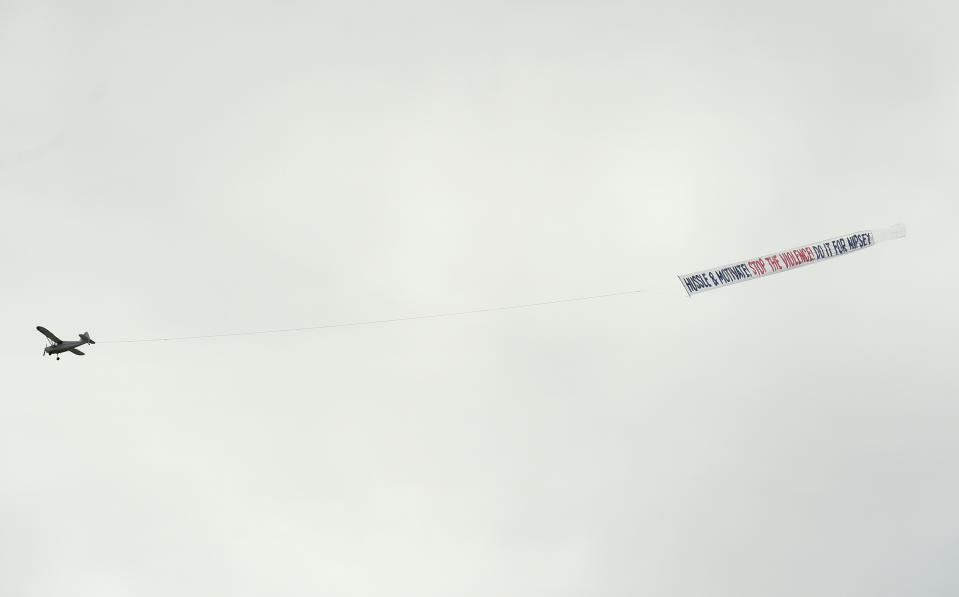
86,338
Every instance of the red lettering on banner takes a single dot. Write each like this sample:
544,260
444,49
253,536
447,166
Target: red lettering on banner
797,257
758,267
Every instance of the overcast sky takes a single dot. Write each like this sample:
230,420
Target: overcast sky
181,168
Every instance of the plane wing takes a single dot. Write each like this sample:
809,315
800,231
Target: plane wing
75,351
48,334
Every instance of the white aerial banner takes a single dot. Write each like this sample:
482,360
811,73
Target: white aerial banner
774,263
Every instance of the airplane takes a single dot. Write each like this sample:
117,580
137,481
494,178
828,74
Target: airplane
56,345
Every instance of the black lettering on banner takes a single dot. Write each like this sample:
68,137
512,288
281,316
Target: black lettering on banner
731,274
696,282
858,241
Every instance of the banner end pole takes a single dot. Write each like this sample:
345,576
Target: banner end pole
891,233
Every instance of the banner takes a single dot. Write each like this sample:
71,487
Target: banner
774,263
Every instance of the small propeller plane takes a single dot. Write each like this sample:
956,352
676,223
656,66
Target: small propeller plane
56,345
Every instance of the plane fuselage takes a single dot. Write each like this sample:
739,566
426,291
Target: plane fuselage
64,346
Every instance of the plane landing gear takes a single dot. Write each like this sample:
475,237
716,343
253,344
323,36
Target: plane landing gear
58,357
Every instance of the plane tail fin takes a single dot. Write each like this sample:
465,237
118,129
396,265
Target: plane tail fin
86,337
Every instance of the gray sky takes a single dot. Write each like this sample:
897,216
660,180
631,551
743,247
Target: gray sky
184,168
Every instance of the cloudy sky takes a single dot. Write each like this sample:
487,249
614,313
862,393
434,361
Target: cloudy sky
182,168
